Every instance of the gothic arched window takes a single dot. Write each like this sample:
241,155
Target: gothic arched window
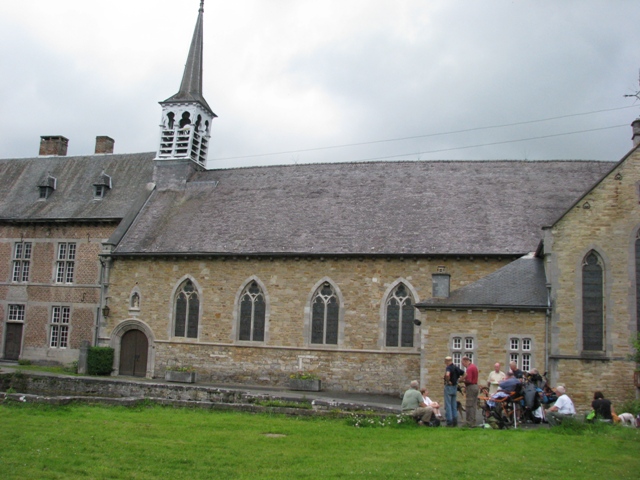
592,303
187,311
252,313
325,311
400,315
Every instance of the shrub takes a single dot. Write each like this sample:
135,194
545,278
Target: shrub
23,361
100,361
630,406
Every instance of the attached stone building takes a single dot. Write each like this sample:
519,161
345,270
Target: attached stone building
55,212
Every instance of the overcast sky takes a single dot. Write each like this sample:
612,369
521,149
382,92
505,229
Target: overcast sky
297,76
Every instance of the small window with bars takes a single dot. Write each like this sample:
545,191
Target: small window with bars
60,317
65,264
21,261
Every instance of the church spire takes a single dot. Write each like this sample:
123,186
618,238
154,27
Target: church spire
186,116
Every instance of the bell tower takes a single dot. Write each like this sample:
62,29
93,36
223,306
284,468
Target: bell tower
186,116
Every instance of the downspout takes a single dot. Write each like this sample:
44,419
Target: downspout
547,320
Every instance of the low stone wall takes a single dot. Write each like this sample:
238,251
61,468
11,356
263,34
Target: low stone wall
36,388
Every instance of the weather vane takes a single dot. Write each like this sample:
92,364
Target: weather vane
637,94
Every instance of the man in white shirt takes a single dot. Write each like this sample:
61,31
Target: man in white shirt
562,409
495,377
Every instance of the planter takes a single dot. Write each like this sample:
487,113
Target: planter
308,385
182,377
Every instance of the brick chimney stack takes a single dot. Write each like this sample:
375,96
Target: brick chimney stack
104,144
53,145
635,125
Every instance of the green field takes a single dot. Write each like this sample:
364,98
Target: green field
152,442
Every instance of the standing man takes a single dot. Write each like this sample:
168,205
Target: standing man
562,409
413,403
516,371
471,383
451,376
495,377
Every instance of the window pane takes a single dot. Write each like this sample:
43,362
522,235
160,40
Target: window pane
408,313
317,321
259,313
468,343
457,358
181,314
515,344
592,305
393,319
332,321
194,313
526,362
457,343
245,318
526,344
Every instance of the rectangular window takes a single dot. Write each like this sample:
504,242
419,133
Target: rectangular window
16,313
60,317
460,349
519,352
21,262
440,285
526,362
66,262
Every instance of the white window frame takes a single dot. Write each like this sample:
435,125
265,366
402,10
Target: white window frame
65,263
520,350
463,344
22,252
59,331
16,313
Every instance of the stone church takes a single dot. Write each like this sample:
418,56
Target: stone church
367,274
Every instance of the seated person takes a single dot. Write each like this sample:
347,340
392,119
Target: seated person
510,384
430,403
602,407
413,403
562,409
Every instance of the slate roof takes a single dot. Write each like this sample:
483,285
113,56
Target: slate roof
422,208
73,198
518,285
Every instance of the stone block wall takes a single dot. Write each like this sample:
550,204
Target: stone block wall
606,221
492,331
359,362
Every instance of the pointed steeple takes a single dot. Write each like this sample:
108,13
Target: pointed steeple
191,86
186,116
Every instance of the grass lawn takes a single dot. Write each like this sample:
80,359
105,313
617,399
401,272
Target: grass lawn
162,442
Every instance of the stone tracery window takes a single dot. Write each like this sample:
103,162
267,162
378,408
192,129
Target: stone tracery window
187,311
400,315
592,303
252,313
325,312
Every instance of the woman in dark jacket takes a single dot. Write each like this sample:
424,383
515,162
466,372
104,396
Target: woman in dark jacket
602,407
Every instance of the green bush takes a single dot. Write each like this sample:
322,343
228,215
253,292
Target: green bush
100,361
630,406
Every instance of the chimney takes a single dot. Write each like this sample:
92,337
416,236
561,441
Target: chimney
635,125
53,145
104,144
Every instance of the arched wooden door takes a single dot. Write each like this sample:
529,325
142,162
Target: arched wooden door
133,354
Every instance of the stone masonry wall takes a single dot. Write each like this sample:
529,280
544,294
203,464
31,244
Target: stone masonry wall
492,330
605,220
359,362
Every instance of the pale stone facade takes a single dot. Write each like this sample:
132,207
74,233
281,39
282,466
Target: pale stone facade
359,361
606,221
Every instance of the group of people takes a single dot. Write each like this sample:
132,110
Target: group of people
417,402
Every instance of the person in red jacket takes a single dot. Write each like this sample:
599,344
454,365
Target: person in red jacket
471,382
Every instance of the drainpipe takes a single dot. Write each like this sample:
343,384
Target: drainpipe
547,321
